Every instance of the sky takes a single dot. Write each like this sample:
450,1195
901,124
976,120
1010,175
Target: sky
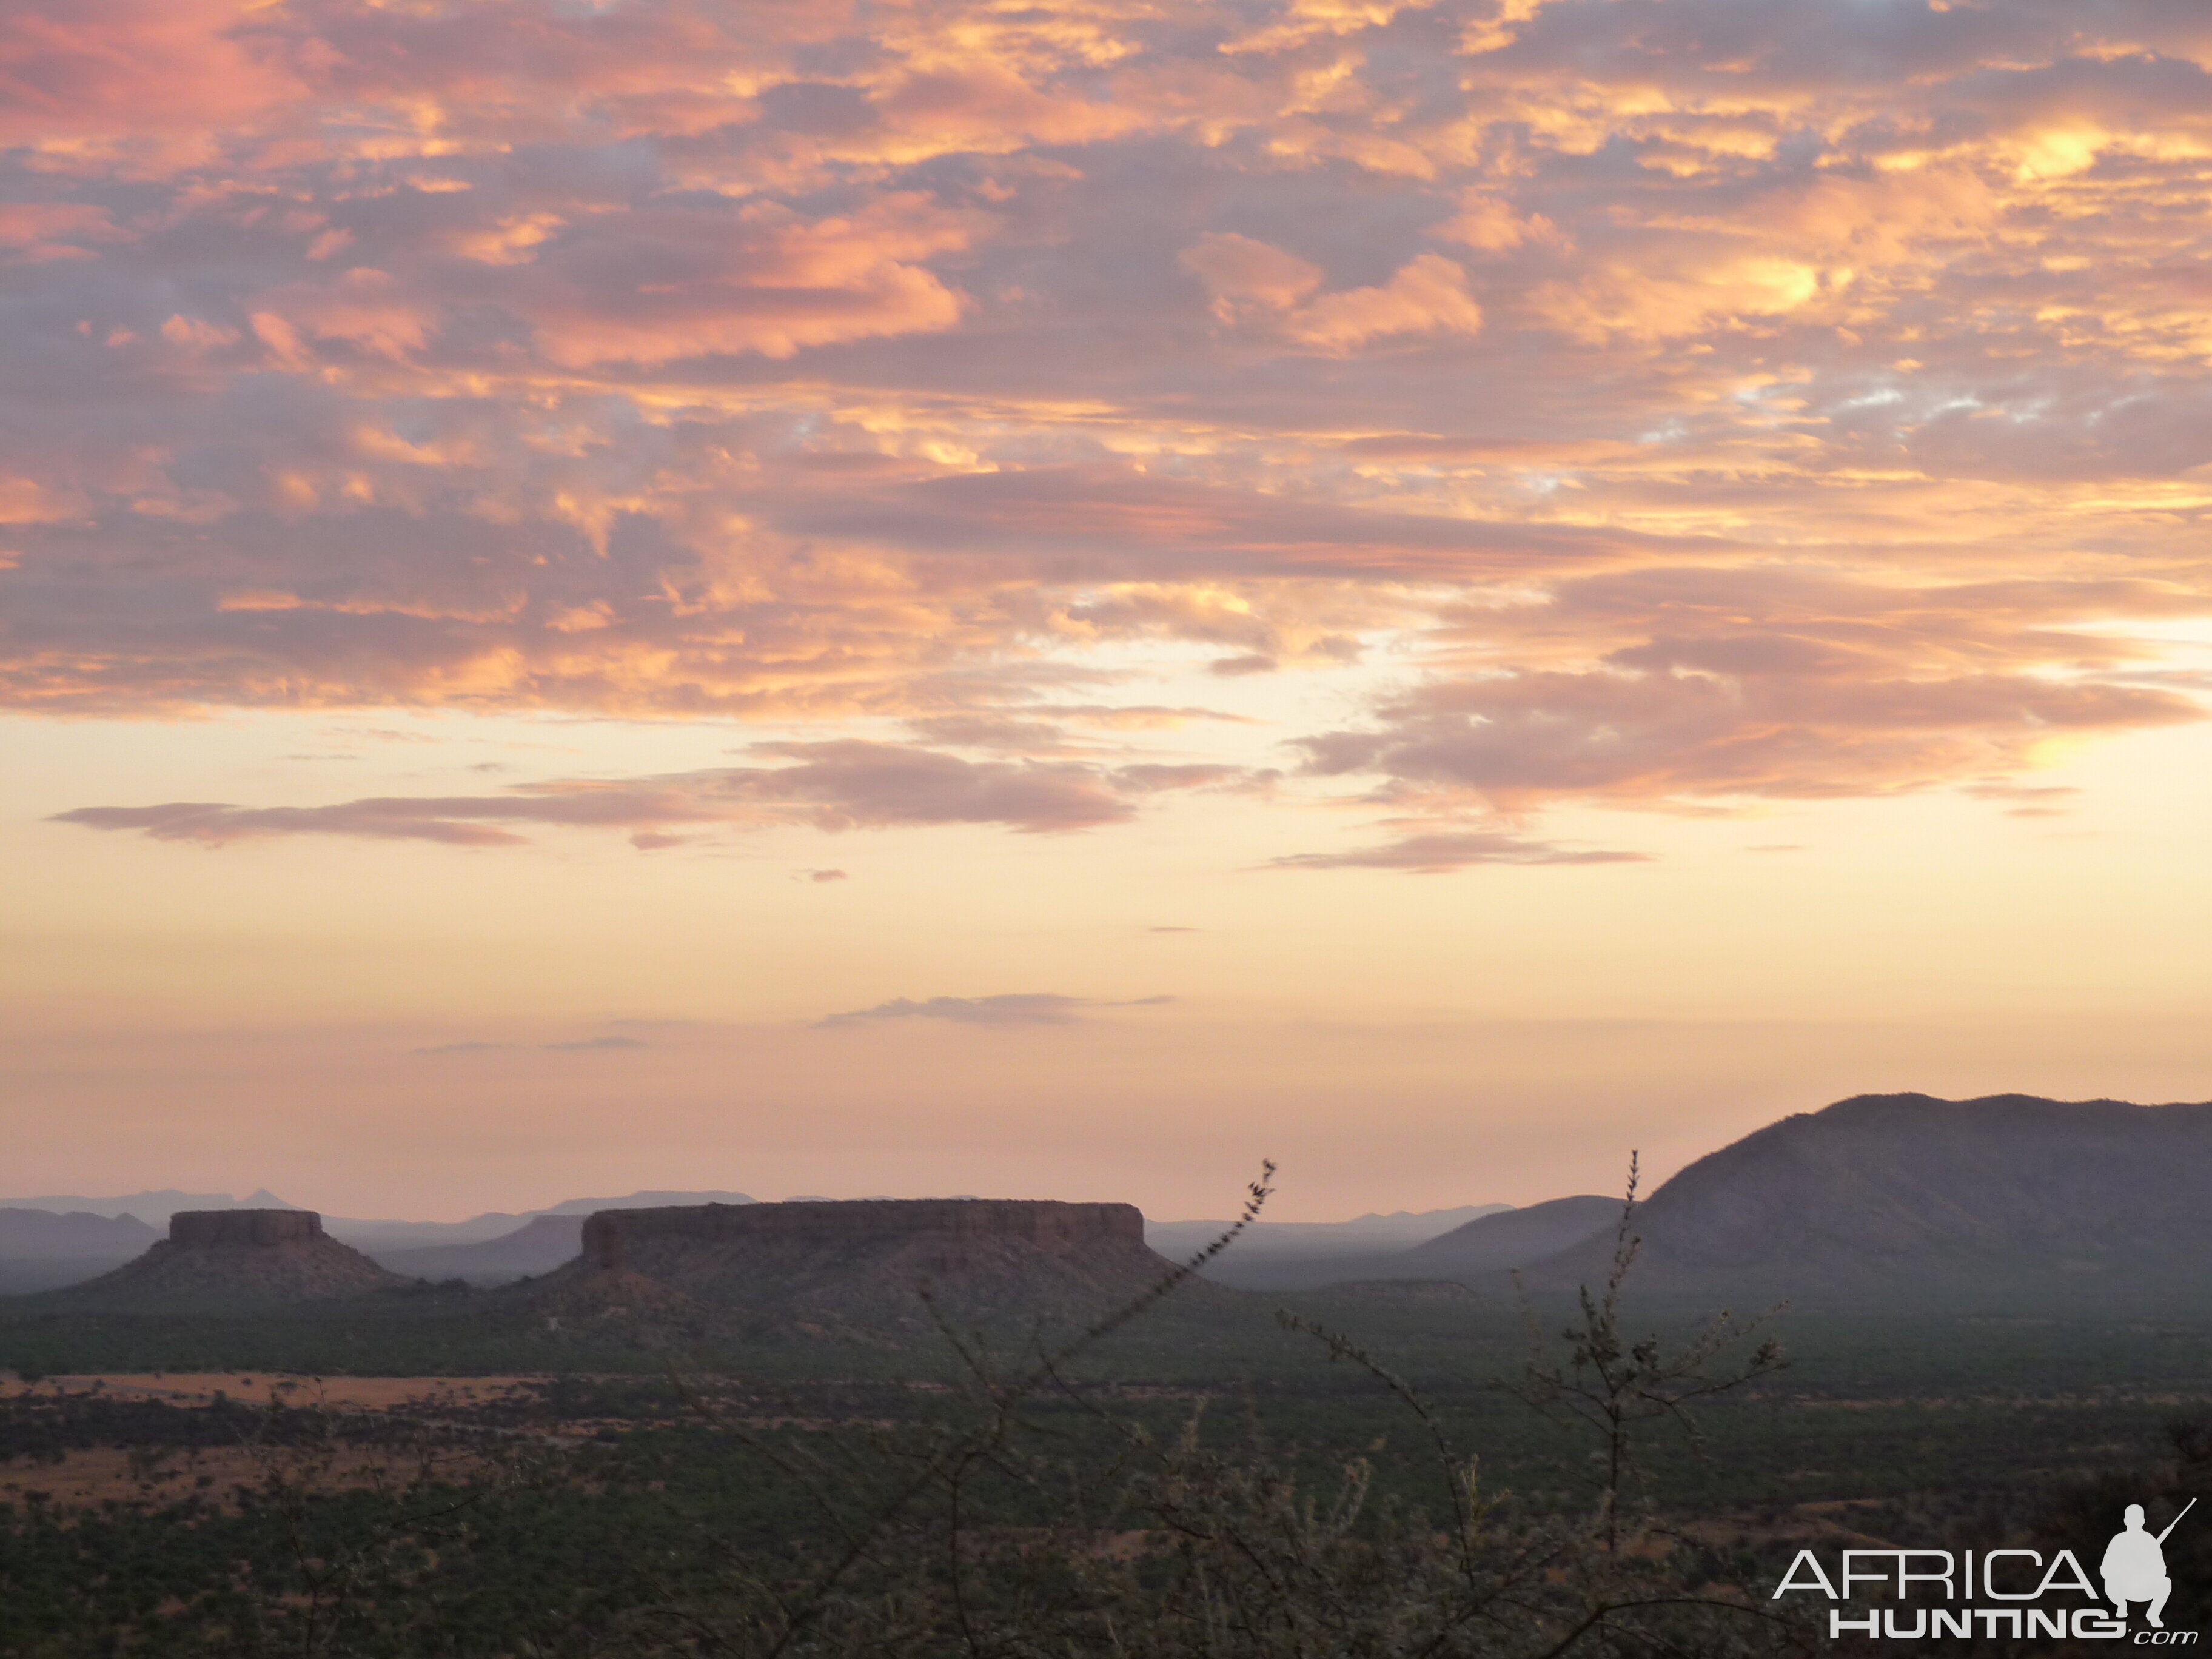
1050,599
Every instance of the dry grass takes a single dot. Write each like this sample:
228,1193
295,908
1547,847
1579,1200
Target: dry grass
358,1394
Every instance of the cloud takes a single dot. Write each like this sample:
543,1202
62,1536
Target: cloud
1235,667
1429,296
1998,789
766,279
1444,851
87,73
1240,272
1667,690
1654,392
1251,281
215,824
1016,1008
1517,741
835,785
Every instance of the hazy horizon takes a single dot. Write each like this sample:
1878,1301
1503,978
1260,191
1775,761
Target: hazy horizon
30,1199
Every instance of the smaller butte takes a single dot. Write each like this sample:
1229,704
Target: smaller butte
235,1258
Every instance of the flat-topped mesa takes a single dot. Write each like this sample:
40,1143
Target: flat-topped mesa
201,1228
1042,1223
227,1258
817,1264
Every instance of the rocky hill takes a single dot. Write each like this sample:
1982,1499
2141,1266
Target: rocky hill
221,1259
859,1264
1909,1202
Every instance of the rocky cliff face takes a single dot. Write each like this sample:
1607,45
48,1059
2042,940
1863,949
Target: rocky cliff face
202,1229
953,1229
231,1258
863,1263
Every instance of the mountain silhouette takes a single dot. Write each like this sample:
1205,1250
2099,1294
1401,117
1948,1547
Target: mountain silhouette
1906,1201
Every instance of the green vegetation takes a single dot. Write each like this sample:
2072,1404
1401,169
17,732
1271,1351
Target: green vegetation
1345,1474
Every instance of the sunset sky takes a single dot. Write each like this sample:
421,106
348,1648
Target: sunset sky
1048,599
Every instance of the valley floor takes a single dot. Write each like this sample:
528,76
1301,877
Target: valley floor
181,1505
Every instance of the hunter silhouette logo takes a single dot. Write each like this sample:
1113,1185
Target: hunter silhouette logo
2134,1569
2007,1593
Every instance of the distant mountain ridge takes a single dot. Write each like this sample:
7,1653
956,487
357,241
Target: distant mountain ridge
1518,1238
538,1246
496,1248
154,1208
379,1236
39,1249
1904,1202
42,1236
1496,1239
1372,1232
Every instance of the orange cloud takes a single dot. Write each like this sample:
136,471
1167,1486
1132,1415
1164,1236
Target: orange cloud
1428,296
1653,399
1250,280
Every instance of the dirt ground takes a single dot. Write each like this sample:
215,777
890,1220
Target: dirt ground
96,1476
100,1475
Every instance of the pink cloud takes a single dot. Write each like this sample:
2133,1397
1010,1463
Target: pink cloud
1009,1009
363,308
1428,296
1441,852
833,787
764,279
78,70
1682,412
1755,727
